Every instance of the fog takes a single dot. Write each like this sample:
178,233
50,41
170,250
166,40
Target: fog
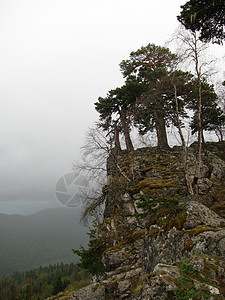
56,58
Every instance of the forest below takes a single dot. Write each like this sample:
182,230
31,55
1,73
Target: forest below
40,283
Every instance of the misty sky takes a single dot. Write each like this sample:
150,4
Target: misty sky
56,58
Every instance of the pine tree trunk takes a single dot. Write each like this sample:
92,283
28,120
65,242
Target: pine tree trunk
161,130
118,150
126,131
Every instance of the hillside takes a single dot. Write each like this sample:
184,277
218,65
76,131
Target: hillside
37,284
45,237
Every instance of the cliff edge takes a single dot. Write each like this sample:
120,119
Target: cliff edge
156,241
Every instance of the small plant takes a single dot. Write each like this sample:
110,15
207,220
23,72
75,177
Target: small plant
186,288
186,293
90,259
187,269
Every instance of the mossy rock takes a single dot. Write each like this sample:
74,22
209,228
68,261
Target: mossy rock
218,197
188,245
201,228
153,183
130,238
153,233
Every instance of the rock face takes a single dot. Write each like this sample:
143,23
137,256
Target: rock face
162,243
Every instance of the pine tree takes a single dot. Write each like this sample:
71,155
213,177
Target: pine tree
116,108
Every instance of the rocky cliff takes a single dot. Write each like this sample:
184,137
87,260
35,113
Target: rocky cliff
157,241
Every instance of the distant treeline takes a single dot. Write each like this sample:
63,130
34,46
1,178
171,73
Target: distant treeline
38,284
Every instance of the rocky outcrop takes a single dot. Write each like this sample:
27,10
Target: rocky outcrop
160,243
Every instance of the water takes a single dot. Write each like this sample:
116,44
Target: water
25,207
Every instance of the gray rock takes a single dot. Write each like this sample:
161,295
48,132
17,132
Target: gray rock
191,222
162,249
209,242
204,185
90,292
197,263
203,215
123,286
167,269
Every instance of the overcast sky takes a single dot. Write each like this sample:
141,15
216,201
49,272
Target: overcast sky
56,58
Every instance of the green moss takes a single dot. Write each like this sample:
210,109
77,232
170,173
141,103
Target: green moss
170,218
153,232
220,146
153,183
180,220
139,283
129,239
218,197
115,248
144,170
188,245
164,212
109,296
134,236
201,228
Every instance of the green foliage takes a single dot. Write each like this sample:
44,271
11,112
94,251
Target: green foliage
187,269
147,63
155,67
42,282
165,212
186,288
150,66
150,203
117,106
187,291
207,17
212,115
156,95
59,285
90,259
